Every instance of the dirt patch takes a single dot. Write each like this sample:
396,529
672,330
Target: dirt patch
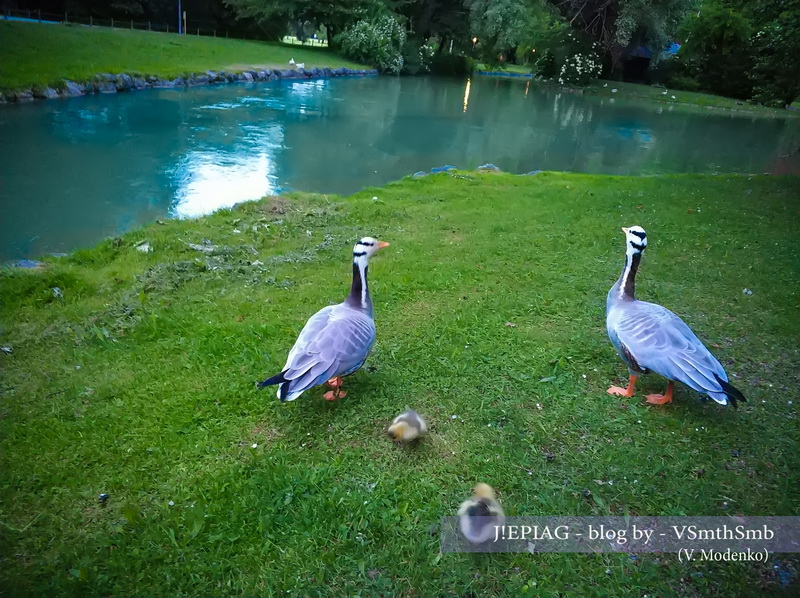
275,206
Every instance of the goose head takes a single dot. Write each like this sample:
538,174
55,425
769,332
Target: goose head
367,247
635,240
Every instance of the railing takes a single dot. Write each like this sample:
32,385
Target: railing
37,16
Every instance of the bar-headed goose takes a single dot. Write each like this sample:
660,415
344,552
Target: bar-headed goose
336,340
649,337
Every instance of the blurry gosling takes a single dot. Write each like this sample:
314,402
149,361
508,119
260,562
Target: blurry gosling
407,426
479,515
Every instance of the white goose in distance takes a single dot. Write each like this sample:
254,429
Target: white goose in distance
650,337
336,341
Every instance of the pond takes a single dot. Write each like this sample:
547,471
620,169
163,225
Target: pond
77,170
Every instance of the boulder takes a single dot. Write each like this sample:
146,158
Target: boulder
231,77
178,82
287,74
124,82
488,168
139,83
71,88
46,93
245,76
23,96
212,76
105,87
200,80
273,77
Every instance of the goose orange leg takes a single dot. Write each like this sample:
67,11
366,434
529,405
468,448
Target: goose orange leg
624,392
337,392
662,399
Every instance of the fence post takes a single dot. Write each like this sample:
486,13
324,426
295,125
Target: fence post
66,18
39,13
226,34
167,27
148,26
215,33
198,31
112,22
131,23
91,21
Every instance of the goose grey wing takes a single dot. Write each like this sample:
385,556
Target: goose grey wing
660,341
336,348
310,331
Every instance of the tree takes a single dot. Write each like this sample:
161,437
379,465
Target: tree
776,53
502,25
334,15
618,23
716,51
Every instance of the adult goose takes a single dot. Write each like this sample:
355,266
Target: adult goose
649,337
336,340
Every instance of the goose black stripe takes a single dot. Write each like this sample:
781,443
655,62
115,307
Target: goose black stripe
638,234
359,253
365,243
637,247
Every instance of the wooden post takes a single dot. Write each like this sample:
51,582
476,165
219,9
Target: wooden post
131,23
91,21
215,33
112,22
226,34
149,28
198,31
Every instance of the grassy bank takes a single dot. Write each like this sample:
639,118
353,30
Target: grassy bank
136,379
651,93
35,54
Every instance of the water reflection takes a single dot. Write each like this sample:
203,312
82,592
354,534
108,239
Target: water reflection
74,171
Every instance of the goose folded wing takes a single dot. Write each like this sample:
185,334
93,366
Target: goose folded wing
660,341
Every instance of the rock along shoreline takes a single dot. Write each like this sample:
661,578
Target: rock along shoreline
108,83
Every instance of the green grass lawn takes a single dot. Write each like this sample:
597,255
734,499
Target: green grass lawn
508,68
36,54
651,93
138,380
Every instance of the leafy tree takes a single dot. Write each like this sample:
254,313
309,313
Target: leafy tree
716,51
776,53
334,15
618,23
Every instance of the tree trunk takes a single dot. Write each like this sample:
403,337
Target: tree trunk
331,33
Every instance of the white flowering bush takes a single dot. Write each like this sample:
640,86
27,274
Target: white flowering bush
426,53
378,42
579,69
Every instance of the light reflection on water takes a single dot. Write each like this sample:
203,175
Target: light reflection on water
74,171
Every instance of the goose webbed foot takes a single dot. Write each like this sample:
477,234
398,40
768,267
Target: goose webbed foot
337,392
623,392
662,399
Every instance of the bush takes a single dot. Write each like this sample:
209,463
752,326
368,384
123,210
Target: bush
683,82
417,57
452,64
378,42
580,69
546,66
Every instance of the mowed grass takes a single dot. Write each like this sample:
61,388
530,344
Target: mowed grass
37,54
137,380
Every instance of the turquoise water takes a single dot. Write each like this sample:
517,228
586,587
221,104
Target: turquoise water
74,171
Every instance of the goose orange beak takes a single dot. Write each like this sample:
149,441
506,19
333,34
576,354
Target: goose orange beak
625,230
382,244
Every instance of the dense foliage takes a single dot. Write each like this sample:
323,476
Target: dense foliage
744,49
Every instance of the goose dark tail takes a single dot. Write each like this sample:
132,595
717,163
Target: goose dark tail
733,393
277,379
